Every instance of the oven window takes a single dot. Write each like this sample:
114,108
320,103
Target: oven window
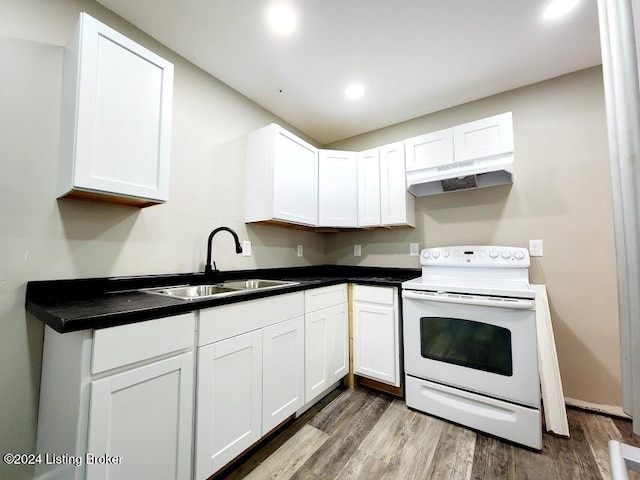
467,343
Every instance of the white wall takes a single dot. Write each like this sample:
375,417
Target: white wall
561,194
41,238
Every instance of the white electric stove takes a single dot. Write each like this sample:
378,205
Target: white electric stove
470,341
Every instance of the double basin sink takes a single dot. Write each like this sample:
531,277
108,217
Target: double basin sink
196,292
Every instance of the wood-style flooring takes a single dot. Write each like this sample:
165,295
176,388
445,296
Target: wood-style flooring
361,434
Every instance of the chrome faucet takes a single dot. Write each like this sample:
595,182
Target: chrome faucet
207,269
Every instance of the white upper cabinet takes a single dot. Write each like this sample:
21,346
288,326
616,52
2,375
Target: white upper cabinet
430,150
116,119
397,206
369,188
338,189
282,178
488,137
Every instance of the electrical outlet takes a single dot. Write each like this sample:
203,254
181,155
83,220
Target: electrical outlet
300,250
246,248
357,250
535,248
414,249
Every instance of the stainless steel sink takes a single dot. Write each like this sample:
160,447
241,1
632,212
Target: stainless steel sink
195,292
257,284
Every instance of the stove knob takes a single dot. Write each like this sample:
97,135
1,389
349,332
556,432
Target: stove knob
425,254
519,255
493,254
506,254
436,254
445,254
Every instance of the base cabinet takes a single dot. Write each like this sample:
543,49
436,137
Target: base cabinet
229,400
376,339
250,376
123,392
326,339
143,417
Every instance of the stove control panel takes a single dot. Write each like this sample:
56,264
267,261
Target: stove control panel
476,255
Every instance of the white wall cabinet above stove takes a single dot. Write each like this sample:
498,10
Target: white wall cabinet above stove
281,178
487,137
376,338
337,189
430,150
116,119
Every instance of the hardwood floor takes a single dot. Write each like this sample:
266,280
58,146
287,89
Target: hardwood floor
361,434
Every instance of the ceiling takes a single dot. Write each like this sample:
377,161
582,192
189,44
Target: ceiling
413,56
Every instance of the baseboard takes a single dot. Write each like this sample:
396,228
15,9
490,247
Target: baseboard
612,410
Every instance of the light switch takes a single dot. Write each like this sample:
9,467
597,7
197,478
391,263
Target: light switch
246,248
357,250
535,248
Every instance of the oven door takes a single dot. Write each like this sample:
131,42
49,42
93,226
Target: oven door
480,344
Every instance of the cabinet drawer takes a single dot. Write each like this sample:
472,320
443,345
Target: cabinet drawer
230,320
369,294
324,297
126,344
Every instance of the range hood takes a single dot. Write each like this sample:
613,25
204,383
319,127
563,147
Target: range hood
465,175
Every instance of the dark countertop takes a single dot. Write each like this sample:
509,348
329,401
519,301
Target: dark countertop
72,305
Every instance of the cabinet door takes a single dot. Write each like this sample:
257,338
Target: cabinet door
369,188
483,138
295,179
338,344
338,189
283,371
397,206
375,342
326,349
229,400
123,124
144,416
430,150
316,351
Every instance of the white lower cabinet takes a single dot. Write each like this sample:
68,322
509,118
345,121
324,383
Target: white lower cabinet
144,417
120,400
250,375
326,339
229,400
376,339
282,372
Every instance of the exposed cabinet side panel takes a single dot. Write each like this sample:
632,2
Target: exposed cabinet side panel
145,417
369,188
259,175
283,371
229,401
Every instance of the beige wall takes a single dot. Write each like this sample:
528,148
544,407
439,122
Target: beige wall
41,238
561,194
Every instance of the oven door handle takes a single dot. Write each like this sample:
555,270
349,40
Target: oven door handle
512,303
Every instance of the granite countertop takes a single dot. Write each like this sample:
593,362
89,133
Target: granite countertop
72,305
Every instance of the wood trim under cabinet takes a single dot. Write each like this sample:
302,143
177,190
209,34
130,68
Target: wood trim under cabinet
111,199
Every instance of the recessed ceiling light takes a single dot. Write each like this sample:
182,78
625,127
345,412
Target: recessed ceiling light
281,18
558,8
354,92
